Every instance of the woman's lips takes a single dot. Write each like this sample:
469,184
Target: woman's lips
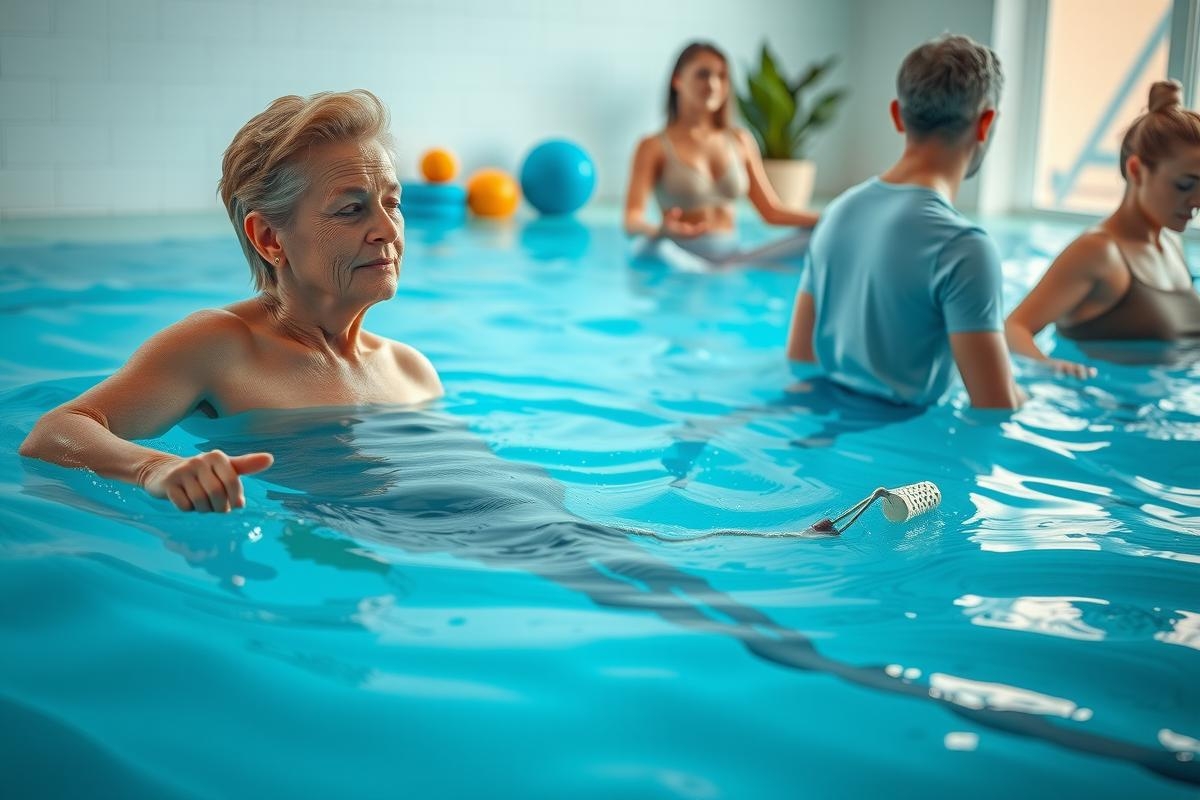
379,262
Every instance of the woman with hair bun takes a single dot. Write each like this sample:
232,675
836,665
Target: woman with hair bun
1127,278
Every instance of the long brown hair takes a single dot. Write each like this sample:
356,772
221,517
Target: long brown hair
722,117
1166,124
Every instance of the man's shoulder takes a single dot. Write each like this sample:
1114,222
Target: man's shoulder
854,193
845,208
969,239
874,193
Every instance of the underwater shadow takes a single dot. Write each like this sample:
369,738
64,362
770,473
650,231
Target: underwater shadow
835,410
424,483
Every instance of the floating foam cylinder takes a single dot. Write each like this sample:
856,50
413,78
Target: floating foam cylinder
904,503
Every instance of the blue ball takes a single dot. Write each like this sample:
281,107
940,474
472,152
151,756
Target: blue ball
557,177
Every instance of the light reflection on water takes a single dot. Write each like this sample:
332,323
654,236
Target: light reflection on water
1054,616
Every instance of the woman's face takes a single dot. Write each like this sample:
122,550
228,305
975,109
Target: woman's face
1169,192
703,82
346,237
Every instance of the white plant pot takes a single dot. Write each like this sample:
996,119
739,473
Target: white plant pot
792,180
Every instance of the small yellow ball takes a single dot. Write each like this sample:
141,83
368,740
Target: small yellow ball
438,165
492,193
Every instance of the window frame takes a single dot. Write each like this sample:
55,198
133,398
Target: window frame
1183,62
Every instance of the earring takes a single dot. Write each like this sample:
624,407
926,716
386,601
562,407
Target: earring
276,260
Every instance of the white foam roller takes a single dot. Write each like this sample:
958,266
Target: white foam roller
904,503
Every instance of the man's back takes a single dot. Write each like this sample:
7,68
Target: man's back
893,270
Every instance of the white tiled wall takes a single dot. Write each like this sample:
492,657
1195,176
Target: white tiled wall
114,106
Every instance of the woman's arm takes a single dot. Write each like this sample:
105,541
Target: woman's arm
1066,284
762,194
643,173
163,381
647,161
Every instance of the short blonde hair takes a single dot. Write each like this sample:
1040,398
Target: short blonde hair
263,166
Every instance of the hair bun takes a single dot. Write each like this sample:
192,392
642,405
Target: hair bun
1165,94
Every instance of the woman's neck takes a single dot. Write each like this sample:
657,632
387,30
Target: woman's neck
316,322
1130,221
693,120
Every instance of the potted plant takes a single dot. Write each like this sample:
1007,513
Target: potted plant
783,121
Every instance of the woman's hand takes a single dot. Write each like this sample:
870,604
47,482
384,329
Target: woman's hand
1070,369
675,227
208,482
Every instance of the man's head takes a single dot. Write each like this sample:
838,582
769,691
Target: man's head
948,88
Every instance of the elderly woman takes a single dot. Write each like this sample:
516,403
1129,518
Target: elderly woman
1127,278
311,190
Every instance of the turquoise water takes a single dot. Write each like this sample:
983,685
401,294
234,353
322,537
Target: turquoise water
442,603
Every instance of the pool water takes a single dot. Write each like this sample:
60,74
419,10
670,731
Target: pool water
448,601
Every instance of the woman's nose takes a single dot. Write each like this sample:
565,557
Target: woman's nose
387,225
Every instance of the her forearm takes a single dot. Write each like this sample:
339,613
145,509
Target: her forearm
73,437
638,226
1020,340
801,219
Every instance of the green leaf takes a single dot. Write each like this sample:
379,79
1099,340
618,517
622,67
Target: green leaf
825,108
774,110
813,74
773,99
767,67
778,108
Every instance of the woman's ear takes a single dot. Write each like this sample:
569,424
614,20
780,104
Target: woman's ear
1135,170
264,237
897,119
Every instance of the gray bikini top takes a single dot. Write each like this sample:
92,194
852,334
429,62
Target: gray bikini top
684,187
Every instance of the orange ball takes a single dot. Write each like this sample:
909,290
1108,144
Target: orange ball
492,193
438,165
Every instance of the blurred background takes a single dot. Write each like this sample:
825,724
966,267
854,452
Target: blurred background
125,106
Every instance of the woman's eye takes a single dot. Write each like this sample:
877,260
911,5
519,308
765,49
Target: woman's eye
1186,186
350,210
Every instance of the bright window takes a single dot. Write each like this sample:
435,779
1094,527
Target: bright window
1101,56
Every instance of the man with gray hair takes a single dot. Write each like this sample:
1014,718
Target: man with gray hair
900,288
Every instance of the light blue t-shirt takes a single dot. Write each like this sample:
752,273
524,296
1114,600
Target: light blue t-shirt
893,270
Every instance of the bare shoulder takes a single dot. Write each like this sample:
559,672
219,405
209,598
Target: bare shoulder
745,139
649,146
236,320
1090,255
416,367
208,334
